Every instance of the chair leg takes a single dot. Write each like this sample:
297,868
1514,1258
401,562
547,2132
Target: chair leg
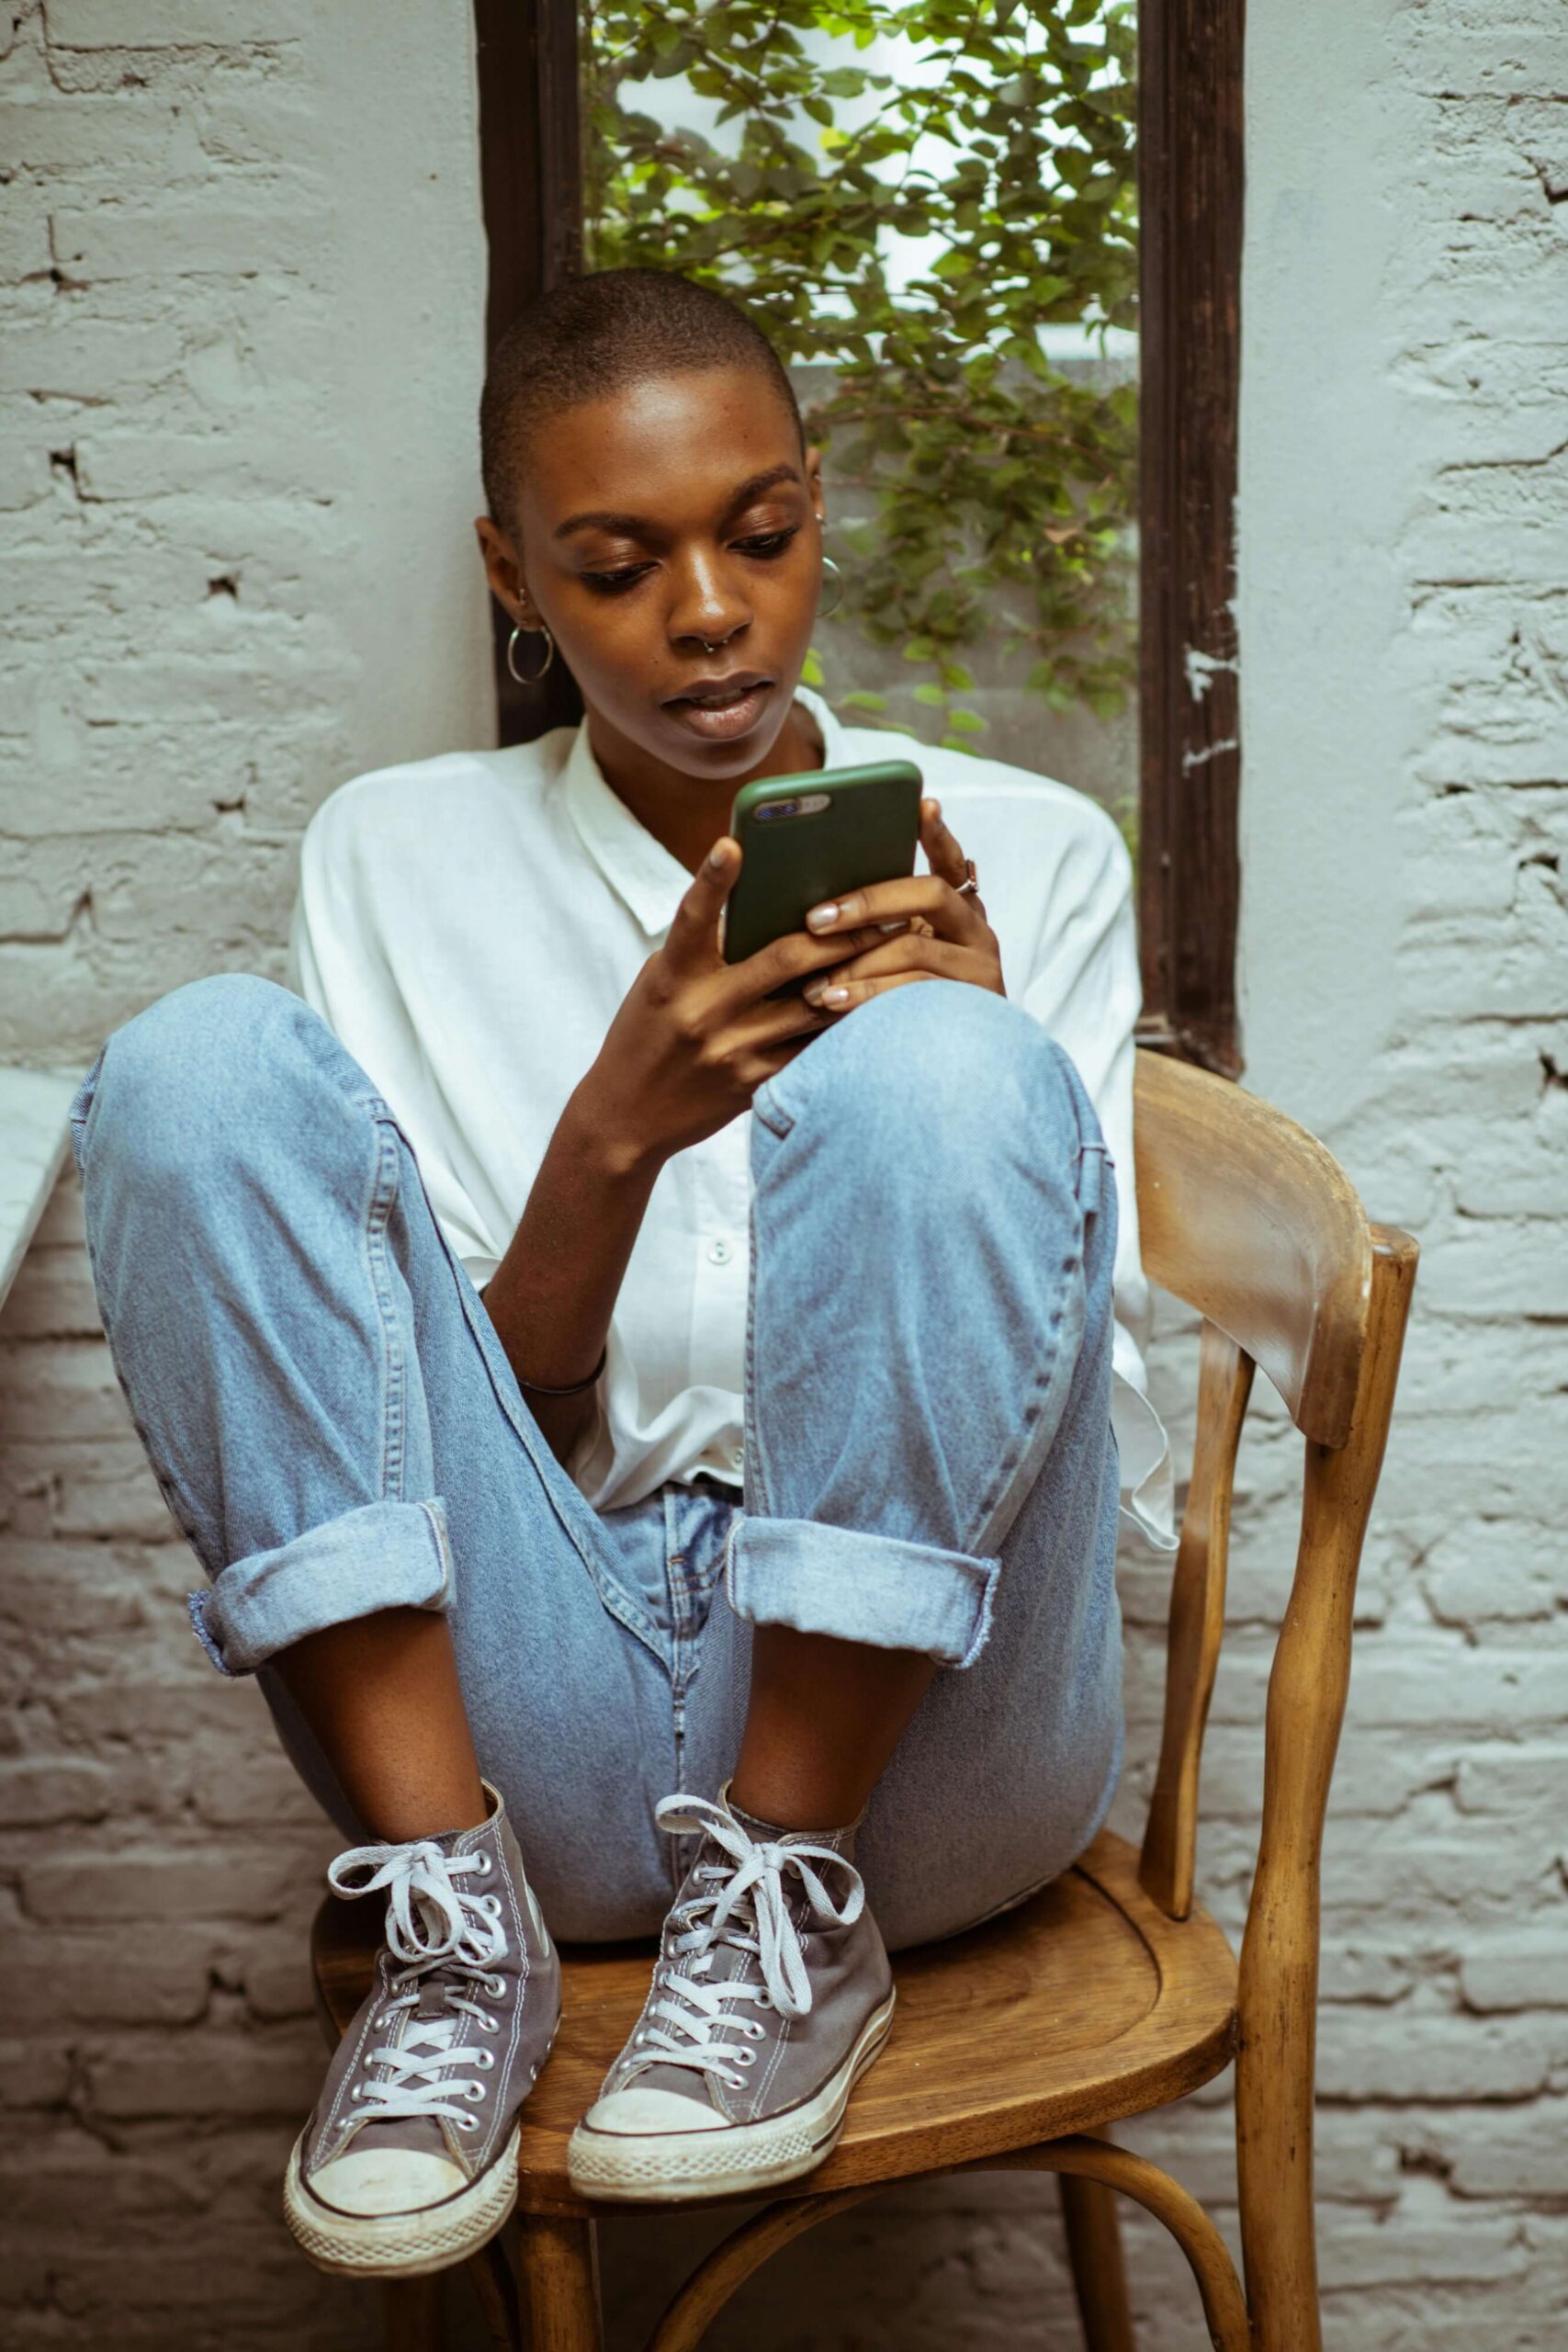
1094,2250
495,2291
558,2284
411,2315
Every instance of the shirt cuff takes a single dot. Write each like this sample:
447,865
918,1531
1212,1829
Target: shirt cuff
1148,1482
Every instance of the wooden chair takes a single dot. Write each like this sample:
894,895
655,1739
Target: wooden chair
1112,1991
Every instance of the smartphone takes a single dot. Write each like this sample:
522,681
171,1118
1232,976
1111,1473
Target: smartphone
809,838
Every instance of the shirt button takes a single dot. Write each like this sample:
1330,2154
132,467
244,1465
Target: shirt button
721,1251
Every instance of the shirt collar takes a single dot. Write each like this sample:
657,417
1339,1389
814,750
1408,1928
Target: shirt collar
636,865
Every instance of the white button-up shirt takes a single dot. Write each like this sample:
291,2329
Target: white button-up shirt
468,925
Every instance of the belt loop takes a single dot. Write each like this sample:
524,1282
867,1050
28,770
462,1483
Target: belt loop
1093,1161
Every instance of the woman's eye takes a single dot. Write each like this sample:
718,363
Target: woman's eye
768,543
762,545
610,584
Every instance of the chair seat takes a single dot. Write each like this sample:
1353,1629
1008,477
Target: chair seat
1083,2005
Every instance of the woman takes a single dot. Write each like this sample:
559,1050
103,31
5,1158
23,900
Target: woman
554,1437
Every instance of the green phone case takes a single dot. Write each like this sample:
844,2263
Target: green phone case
866,830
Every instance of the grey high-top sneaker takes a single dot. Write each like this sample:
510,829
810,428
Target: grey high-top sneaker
766,2004
410,2160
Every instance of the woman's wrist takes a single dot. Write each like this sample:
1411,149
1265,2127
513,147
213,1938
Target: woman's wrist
602,1144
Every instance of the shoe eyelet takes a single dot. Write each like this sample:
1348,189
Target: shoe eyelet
467,2122
496,1987
764,2000
484,2059
474,2092
490,2025
745,2057
358,2091
491,1903
736,2082
484,1861
754,2032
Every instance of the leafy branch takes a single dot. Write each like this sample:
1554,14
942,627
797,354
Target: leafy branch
1000,485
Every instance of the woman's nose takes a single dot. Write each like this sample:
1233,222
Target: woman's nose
708,607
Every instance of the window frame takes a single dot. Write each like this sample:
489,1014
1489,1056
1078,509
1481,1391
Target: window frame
1190,187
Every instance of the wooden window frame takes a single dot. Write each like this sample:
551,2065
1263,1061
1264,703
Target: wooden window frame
531,182
1190,212
1189,201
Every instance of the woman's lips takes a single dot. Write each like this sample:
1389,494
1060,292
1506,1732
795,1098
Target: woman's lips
720,712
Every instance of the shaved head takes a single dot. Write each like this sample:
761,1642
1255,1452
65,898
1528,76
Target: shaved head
596,335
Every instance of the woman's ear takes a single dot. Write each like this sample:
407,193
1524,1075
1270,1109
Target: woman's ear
814,483
504,569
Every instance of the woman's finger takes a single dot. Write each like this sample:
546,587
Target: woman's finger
941,845
915,896
934,958
771,1059
945,853
775,1023
861,991
693,941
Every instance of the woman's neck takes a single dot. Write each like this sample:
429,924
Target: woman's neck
686,813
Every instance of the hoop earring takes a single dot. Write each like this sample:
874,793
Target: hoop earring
512,654
833,579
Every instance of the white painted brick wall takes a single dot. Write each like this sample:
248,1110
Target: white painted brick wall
234,523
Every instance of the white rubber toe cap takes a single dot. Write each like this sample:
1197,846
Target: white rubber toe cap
368,2181
642,2114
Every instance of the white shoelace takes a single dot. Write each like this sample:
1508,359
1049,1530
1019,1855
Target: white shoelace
747,1911
432,1922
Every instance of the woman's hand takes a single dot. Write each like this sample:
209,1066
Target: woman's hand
694,1036
947,937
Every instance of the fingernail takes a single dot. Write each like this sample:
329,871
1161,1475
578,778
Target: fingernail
834,996
715,856
821,917
813,995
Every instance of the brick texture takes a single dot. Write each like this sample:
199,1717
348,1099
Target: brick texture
207,510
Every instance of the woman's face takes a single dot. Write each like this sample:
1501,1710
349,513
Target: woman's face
673,517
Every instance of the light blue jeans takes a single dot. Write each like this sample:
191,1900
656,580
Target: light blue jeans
930,1461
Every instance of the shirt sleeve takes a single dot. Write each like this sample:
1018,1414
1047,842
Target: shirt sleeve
1085,989
338,960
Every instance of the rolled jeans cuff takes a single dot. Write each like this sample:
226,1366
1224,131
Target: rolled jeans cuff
384,1555
860,1587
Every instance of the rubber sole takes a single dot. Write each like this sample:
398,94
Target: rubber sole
677,2167
401,2245
406,2245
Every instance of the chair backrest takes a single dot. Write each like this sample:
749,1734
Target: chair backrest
1247,1218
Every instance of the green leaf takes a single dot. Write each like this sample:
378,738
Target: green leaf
988,488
